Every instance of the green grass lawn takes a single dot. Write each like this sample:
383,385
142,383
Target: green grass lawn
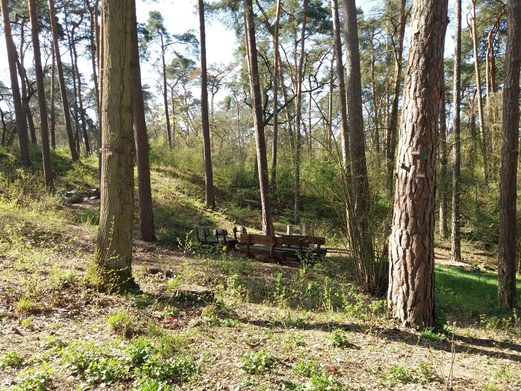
467,296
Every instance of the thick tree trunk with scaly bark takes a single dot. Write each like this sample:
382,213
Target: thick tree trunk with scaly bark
411,272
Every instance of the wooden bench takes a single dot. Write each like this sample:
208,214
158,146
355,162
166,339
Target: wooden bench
281,247
206,235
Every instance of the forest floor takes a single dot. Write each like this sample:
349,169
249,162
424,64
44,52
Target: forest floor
210,320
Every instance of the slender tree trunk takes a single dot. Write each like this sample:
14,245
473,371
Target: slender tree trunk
411,272
362,239
112,268
508,190
21,123
75,106
260,140
23,83
455,251
44,128
298,118
165,93
93,12
146,213
482,129
81,110
63,89
392,132
52,115
442,152
207,145
276,66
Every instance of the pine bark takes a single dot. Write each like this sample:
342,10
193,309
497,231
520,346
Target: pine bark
411,272
360,207
63,89
393,120
44,126
112,267
21,123
260,140
146,212
276,66
455,250
510,151
207,145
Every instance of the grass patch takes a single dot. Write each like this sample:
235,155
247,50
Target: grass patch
466,295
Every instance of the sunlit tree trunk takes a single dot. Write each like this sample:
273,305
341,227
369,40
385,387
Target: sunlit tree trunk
260,140
442,153
411,245
508,188
455,250
112,268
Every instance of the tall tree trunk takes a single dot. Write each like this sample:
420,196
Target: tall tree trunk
44,128
112,267
93,13
209,191
24,83
260,140
146,213
52,114
362,240
508,189
482,129
63,89
392,132
298,118
75,106
455,250
21,123
442,153
411,272
165,93
276,66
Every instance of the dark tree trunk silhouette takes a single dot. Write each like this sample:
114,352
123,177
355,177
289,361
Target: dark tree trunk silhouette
276,67
508,188
63,89
44,127
207,145
21,123
411,245
146,213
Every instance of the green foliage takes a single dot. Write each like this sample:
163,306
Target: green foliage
256,363
399,374
339,339
122,323
323,382
12,359
308,368
140,351
34,379
178,371
148,384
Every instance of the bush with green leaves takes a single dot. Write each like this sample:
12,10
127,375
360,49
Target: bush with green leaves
140,351
12,359
424,373
323,382
122,323
256,363
34,379
148,384
179,370
339,339
308,368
